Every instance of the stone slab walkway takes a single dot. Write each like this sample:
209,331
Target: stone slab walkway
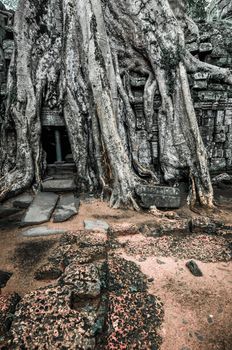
66,208
41,209
42,231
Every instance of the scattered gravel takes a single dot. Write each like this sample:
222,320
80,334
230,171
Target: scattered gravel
195,246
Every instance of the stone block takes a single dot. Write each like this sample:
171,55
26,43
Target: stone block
155,149
208,121
59,185
23,201
192,47
8,305
228,117
200,85
205,47
206,96
138,81
230,129
66,208
194,269
217,87
220,137
159,196
228,153
218,52
218,153
41,209
201,76
42,231
221,128
220,117
217,164
96,225
52,117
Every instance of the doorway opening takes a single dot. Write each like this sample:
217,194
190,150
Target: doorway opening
55,142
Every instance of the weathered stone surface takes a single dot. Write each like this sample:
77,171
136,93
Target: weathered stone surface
42,231
66,208
48,271
193,268
50,321
83,279
89,295
202,224
222,179
41,209
159,196
96,225
205,47
7,308
23,201
59,185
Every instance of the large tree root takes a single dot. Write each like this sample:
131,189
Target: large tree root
80,64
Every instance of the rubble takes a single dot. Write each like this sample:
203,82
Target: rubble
194,269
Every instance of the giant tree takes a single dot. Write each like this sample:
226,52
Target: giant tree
79,56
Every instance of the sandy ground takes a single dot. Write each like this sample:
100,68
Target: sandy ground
198,310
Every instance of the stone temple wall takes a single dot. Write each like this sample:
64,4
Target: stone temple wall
220,9
213,100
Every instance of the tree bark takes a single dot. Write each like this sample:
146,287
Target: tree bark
79,56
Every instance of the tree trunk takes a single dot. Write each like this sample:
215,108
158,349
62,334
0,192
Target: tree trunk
80,56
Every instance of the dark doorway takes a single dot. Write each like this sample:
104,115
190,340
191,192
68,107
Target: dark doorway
56,144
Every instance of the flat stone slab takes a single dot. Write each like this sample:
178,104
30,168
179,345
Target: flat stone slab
59,185
23,201
96,225
162,197
66,208
42,231
41,209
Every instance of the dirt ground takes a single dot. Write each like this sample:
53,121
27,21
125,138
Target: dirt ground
197,310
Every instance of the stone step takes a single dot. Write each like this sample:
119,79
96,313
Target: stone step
61,169
66,208
41,209
59,185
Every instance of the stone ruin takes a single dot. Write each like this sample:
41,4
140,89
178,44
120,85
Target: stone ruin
220,9
212,100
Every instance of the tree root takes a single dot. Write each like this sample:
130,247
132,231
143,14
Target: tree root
194,65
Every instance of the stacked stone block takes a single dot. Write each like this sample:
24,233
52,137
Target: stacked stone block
213,99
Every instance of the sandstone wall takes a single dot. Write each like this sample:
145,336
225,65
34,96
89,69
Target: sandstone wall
213,101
